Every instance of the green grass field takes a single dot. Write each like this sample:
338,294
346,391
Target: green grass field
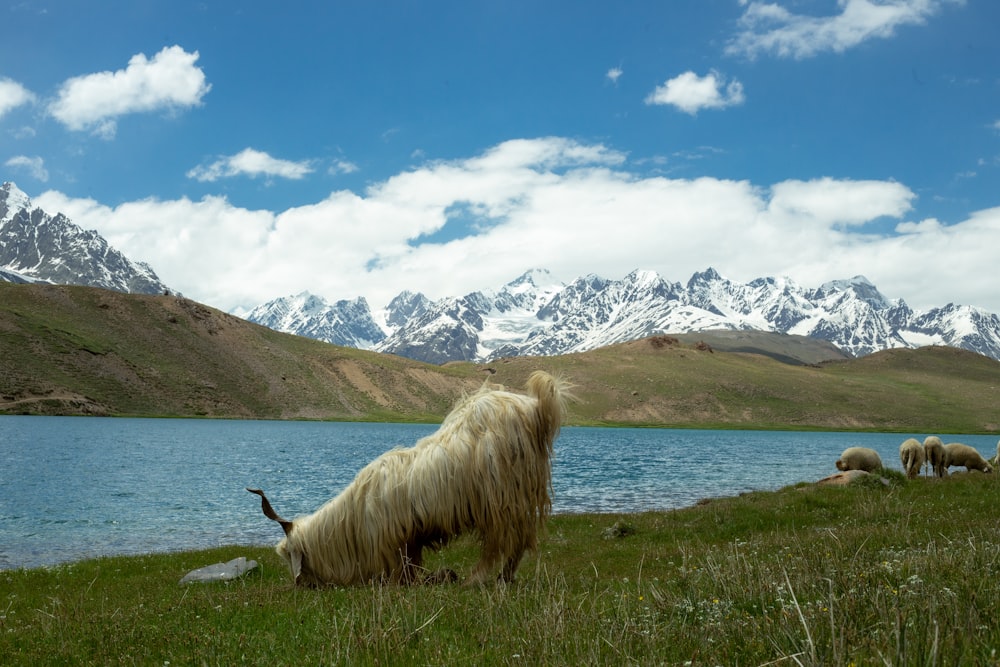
904,574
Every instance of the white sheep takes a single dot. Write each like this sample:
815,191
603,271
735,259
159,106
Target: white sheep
859,458
911,455
958,454
934,454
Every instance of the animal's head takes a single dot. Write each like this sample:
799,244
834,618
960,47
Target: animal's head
287,548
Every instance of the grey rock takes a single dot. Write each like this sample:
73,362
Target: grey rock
234,569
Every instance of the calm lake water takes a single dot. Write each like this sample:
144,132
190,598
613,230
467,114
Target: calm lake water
79,487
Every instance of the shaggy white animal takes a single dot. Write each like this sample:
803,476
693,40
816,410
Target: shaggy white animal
958,454
911,455
487,468
934,454
859,458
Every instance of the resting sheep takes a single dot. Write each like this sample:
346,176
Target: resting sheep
934,454
911,455
486,469
958,454
859,458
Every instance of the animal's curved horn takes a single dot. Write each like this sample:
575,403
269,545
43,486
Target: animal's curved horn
269,512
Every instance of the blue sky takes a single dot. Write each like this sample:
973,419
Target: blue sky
255,150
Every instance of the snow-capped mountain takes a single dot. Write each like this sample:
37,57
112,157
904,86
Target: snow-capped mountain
347,323
536,315
473,326
959,326
37,247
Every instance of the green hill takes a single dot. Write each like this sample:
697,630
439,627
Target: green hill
86,351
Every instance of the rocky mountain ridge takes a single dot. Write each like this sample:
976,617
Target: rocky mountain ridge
38,247
535,315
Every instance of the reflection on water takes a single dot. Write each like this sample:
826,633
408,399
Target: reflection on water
76,487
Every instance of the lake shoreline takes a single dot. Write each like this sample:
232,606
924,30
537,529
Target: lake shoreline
78,486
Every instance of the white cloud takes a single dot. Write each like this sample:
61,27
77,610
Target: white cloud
768,27
253,163
13,95
691,93
570,207
342,167
829,202
614,74
24,132
33,165
93,102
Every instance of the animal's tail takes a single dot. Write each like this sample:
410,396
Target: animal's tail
551,394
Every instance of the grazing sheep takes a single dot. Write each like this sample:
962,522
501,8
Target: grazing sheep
911,455
859,458
934,454
958,454
487,468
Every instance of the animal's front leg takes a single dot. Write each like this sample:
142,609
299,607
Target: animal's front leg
510,567
487,561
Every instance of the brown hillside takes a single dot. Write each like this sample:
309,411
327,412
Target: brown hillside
78,350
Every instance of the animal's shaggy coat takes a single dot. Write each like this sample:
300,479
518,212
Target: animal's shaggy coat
859,458
487,468
958,454
911,455
935,455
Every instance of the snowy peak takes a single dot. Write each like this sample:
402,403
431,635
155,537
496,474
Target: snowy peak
529,280
859,286
470,327
959,326
12,200
405,307
529,292
347,323
37,246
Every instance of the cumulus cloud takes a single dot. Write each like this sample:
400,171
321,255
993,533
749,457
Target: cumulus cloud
450,227
253,163
691,93
829,202
614,74
13,95
167,82
33,165
767,27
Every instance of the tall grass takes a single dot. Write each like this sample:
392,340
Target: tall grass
903,574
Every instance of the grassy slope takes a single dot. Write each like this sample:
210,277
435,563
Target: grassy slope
76,350
808,575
